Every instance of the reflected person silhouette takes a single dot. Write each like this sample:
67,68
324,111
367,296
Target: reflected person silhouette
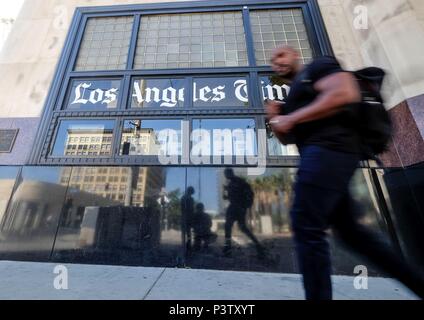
240,195
202,223
187,211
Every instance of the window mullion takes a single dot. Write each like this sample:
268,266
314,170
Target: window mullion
249,37
133,42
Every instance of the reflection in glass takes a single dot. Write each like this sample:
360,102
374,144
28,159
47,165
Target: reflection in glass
225,218
94,94
249,227
402,189
250,221
84,138
7,181
151,137
276,148
122,215
240,196
224,137
220,92
155,93
362,192
29,226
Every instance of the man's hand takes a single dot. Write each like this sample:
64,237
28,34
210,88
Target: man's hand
273,108
283,124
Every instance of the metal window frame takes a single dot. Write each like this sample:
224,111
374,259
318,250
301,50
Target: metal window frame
66,94
64,74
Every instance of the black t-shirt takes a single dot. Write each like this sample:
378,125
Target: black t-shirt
334,132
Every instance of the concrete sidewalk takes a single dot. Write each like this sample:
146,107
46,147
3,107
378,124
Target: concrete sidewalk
25,280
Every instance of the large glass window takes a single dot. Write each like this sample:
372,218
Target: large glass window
29,226
220,92
275,148
105,45
272,28
84,138
230,204
191,40
155,93
7,181
122,71
93,94
224,137
124,215
151,137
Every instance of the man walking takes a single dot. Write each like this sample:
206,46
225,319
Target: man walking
240,195
314,115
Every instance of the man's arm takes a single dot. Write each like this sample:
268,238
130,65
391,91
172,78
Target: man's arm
335,91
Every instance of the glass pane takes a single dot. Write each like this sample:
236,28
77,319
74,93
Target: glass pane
94,94
275,148
272,28
151,137
237,218
242,222
122,215
363,193
155,93
220,92
224,137
84,138
191,40
29,226
7,181
105,44
403,190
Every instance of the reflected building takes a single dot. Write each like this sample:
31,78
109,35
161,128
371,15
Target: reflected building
127,186
139,141
83,142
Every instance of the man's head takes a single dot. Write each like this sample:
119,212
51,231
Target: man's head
229,173
190,190
285,61
200,207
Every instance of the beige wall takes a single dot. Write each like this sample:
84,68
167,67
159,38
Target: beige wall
31,53
395,41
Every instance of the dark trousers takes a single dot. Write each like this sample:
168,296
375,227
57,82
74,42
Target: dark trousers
322,200
237,213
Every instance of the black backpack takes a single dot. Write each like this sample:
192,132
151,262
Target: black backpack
371,118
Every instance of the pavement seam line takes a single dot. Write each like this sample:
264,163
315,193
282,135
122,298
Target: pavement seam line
153,285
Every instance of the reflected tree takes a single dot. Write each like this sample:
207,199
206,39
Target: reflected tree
270,193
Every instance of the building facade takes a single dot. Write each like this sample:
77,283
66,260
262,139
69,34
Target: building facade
116,114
